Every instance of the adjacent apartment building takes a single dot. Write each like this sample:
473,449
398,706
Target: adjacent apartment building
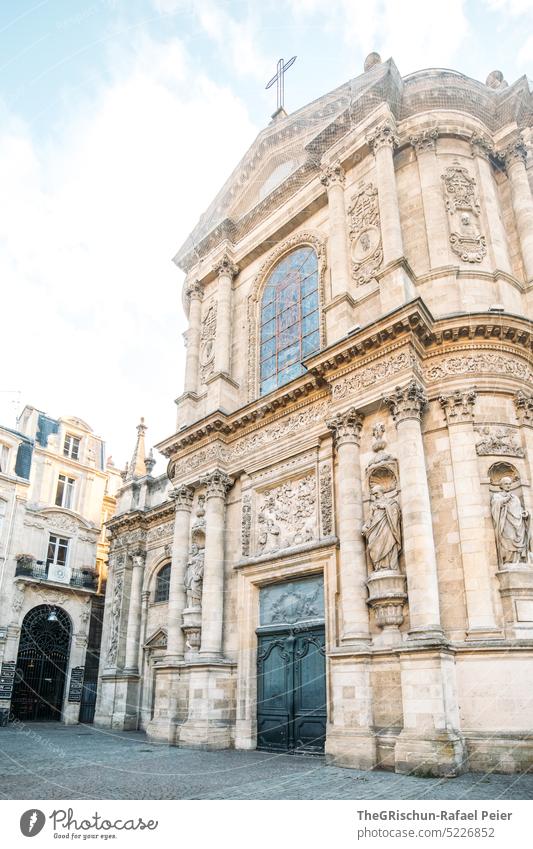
56,491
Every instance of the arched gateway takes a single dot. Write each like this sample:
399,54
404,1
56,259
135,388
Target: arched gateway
41,664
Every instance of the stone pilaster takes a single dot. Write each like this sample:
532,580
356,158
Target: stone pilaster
437,229
407,403
182,497
395,286
497,242
225,270
458,410
133,632
346,429
217,485
333,178
194,294
515,162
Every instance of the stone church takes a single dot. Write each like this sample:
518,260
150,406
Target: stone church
338,558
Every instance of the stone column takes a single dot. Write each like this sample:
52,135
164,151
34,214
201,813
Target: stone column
182,497
346,428
459,412
333,179
226,270
481,150
382,142
407,404
515,162
437,229
217,485
194,293
133,632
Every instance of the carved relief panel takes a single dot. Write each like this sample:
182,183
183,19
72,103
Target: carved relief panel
464,214
207,342
365,234
286,514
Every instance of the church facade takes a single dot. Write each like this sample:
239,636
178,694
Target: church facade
338,558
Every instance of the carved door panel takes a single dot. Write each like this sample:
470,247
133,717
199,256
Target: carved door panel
291,699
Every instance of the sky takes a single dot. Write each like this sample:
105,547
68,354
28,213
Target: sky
119,122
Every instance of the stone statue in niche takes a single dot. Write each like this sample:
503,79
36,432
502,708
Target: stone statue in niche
194,576
512,525
383,530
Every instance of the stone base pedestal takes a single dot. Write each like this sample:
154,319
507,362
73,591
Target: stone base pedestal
386,597
516,590
351,748
430,742
395,286
187,409
507,753
339,315
211,709
441,754
222,393
118,705
170,703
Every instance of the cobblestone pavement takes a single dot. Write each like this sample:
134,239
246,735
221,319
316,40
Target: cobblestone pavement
53,761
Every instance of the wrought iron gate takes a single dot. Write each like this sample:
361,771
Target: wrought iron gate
291,698
41,664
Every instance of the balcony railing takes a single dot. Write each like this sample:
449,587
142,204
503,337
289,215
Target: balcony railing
38,571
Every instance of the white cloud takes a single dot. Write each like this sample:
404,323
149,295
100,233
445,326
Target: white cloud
417,34
91,301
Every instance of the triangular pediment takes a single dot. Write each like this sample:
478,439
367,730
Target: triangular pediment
158,640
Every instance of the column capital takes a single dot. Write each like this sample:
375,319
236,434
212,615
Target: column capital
182,497
384,135
332,175
407,402
482,146
226,266
194,290
459,406
217,483
524,407
138,557
346,427
425,141
514,152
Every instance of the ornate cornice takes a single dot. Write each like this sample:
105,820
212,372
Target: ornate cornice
333,175
407,402
182,497
459,406
217,484
346,427
226,267
425,141
384,135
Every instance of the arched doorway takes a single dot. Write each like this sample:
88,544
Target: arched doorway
41,664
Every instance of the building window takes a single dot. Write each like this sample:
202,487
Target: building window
289,318
4,459
71,448
162,584
65,492
57,551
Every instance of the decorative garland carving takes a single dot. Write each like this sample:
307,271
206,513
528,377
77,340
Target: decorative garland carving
495,363
207,342
365,234
365,377
326,500
114,619
314,240
246,524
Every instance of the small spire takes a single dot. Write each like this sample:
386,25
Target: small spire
137,467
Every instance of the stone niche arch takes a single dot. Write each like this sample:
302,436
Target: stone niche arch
503,469
304,238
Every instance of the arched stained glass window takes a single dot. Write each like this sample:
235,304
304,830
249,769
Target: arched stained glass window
162,584
289,318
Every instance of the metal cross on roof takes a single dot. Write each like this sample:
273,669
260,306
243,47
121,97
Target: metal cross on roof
278,78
